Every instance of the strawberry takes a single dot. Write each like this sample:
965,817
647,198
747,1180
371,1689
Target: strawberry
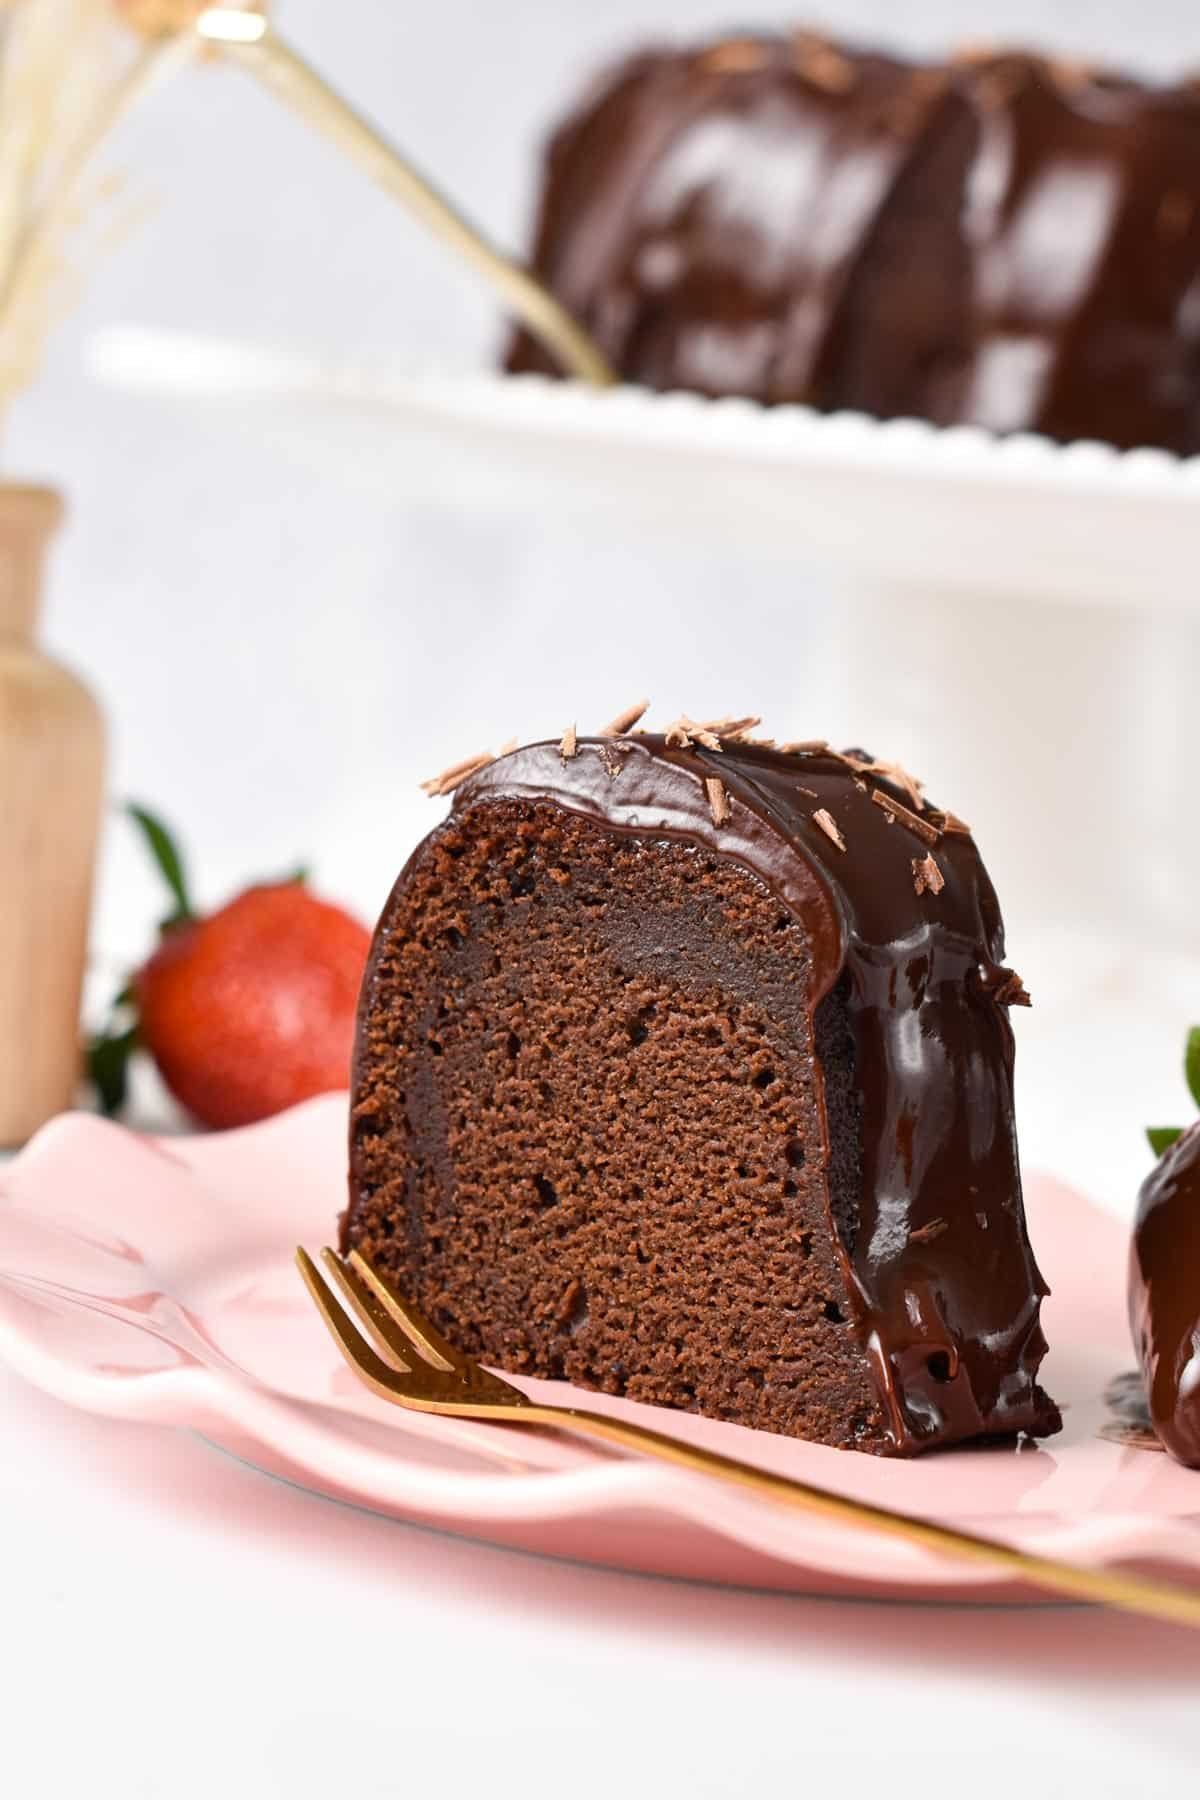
245,1011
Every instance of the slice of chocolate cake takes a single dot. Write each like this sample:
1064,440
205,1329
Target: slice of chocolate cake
684,1072
1003,240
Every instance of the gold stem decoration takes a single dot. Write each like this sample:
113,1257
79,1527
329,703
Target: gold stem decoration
249,39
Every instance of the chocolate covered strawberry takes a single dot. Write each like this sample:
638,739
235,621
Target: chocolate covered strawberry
247,1010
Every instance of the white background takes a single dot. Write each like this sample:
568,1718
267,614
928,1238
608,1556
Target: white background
282,653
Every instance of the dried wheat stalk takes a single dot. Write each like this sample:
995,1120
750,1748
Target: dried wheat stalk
70,71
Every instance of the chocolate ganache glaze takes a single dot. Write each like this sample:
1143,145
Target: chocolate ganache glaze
1002,240
898,906
1164,1295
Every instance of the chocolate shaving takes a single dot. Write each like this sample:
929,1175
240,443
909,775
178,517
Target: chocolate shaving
948,821
927,877
824,66
570,744
1070,78
828,824
925,1234
893,773
1005,986
718,799
625,721
733,58
924,830
727,728
681,734
999,82
453,777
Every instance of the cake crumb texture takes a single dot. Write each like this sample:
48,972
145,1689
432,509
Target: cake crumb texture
587,1136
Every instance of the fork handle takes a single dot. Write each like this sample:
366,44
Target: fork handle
1128,1593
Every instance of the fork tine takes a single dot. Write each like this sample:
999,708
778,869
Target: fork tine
388,1339
419,1333
365,1362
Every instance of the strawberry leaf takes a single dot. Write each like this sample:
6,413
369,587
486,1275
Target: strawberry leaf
1191,1063
166,854
1163,1136
108,1066
109,1052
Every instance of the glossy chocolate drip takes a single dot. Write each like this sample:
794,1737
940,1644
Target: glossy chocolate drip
1164,1295
1084,231
1004,241
945,1287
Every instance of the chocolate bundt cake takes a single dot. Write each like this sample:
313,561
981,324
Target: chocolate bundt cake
1003,240
684,1072
1164,1295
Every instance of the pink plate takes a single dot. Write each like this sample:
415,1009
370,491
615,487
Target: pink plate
154,1280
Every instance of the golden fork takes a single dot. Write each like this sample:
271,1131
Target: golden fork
246,37
411,1364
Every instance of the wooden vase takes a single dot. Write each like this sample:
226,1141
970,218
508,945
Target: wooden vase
51,782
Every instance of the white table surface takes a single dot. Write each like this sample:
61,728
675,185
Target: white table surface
173,1624
177,1625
